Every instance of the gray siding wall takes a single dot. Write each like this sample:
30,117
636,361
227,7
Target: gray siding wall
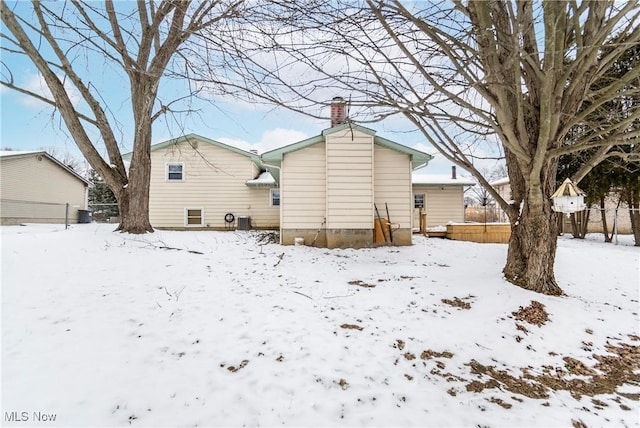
35,178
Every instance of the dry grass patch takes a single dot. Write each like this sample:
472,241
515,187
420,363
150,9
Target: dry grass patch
351,327
621,366
457,303
535,314
428,354
361,283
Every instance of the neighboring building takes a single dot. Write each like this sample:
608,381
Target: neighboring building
198,183
614,211
440,198
35,188
503,188
331,185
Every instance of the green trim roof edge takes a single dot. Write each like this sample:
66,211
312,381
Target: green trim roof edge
276,154
186,138
418,158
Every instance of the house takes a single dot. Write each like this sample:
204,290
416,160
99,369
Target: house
616,212
37,188
336,185
330,190
198,183
440,199
502,186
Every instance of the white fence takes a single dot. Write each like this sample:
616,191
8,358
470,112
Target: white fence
618,220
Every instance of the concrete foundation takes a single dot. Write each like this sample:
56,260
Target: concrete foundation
349,238
402,237
288,236
341,238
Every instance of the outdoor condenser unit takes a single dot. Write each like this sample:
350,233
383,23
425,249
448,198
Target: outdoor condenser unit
244,223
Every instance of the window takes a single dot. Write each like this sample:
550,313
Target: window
193,216
175,171
275,197
418,200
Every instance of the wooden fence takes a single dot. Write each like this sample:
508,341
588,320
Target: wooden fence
480,232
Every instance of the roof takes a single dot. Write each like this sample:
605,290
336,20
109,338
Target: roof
16,154
265,179
195,137
440,180
274,157
500,181
567,188
9,153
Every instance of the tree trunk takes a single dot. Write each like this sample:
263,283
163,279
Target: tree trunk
575,228
134,214
603,214
579,223
560,223
631,195
532,245
134,211
634,215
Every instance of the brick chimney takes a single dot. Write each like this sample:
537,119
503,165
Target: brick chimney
338,111
453,173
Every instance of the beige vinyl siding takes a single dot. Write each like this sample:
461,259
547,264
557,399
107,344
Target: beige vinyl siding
349,180
504,190
443,204
214,180
393,185
303,188
25,178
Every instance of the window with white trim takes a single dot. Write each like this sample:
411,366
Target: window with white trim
275,197
175,171
193,217
418,200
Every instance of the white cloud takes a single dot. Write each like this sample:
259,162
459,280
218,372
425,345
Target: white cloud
36,84
269,140
278,137
236,142
484,160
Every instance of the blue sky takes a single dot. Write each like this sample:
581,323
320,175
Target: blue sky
28,124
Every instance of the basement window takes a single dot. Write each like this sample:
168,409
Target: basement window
193,217
418,200
175,171
275,197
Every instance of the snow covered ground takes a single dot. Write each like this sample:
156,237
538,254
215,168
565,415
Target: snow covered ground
215,329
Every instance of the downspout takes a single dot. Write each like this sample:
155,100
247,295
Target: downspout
278,184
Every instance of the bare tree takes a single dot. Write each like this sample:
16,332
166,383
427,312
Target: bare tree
71,42
467,74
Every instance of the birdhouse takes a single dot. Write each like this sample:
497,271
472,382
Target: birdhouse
568,198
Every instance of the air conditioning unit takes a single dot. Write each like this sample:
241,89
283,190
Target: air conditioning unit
244,223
